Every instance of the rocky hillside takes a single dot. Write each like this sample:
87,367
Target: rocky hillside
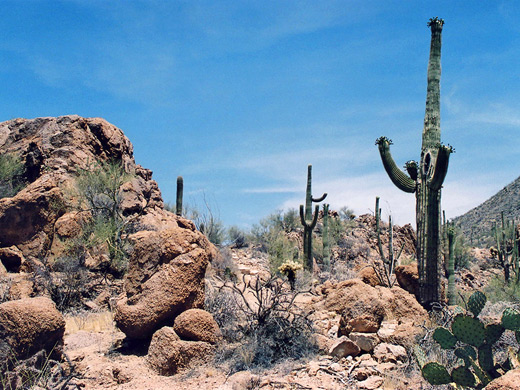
477,222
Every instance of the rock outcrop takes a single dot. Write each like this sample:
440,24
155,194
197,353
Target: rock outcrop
53,150
165,277
169,258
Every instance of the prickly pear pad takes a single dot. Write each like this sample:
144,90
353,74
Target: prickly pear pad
469,330
436,374
511,319
493,333
463,376
476,302
485,357
445,338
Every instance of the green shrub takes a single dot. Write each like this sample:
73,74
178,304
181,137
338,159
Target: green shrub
97,192
12,172
237,237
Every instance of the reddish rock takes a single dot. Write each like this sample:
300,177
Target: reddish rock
368,275
509,381
165,277
11,259
385,352
365,341
28,326
344,347
167,354
408,277
197,325
54,150
363,308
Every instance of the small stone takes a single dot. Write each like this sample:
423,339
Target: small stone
371,383
365,341
344,347
385,352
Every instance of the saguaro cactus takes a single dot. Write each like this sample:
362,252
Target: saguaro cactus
450,233
425,179
180,188
307,219
325,237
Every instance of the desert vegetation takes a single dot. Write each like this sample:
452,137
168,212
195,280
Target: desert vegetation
306,297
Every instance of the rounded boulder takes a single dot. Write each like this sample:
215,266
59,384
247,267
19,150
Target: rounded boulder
197,325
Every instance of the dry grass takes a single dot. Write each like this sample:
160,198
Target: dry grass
89,321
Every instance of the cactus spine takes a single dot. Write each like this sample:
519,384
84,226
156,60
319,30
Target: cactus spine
308,220
180,189
325,237
426,179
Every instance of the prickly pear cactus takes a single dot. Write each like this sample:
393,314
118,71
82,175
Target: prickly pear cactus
463,377
436,374
511,319
468,330
445,338
472,343
476,302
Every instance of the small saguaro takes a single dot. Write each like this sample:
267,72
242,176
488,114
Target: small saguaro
180,189
308,220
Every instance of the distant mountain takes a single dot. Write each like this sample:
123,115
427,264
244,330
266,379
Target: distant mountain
476,223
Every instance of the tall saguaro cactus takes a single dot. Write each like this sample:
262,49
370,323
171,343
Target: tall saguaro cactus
307,219
426,179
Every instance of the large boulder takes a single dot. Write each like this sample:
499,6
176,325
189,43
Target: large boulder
364,308
165,277
168,354
28,326
197,325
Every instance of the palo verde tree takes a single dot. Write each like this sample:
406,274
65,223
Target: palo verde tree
426,179
308,220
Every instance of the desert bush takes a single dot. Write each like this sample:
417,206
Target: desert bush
280,249
207,221
43,370
97,193
267,324
341,224
223,265
68,284
279,222
237,237
498,290
12,172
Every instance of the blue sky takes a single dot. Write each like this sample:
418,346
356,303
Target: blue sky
240,96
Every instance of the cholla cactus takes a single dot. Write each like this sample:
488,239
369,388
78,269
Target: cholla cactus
289,269
472,342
